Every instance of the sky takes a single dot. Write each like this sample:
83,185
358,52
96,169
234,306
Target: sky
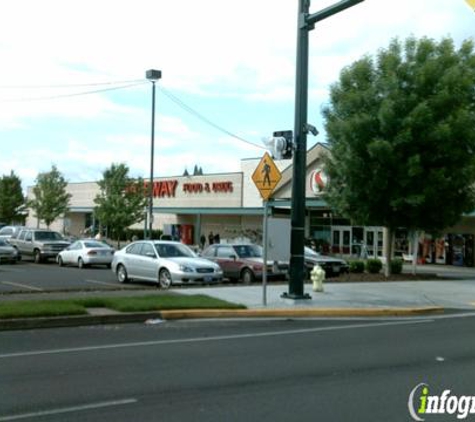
73,91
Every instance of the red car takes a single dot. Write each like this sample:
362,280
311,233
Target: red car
244,262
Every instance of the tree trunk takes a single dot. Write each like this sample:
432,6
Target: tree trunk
388,250
415,251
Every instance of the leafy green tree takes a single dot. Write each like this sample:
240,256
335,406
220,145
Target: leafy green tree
11,199
121,200
401,127
51,200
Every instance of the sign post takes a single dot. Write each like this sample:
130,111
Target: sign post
266,177
264,268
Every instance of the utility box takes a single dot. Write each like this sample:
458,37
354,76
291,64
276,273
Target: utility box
278,239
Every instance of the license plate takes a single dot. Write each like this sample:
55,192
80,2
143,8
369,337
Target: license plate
336,269
208,278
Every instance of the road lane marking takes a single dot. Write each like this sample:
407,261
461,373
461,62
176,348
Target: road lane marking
208,339
71,409
25,286
102,282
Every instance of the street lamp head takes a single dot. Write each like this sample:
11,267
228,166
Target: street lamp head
153,75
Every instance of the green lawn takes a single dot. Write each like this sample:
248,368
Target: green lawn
48,308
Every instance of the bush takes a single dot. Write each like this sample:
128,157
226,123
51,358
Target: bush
374,266
356,267
396,266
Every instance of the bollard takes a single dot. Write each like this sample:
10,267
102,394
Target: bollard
317,275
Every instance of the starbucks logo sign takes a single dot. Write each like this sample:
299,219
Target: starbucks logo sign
318,181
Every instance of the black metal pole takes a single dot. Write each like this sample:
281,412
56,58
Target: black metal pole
297,234
152,154
306,23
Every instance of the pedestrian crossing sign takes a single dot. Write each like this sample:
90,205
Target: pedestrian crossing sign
266,176
471,3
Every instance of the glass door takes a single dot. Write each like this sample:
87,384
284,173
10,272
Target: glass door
341,240
373,239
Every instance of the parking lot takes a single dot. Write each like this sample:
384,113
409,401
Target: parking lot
28,277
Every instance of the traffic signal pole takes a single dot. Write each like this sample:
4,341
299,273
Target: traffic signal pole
306,22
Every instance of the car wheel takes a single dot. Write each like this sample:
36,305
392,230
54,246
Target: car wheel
122,276
247,276
37,256
164,279
81,263
60,261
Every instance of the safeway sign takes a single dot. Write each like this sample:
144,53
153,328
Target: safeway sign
266,176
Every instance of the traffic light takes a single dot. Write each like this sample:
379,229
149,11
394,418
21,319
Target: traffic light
283,144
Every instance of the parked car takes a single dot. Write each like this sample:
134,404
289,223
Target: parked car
163,262
244,262
41,244
7,252
332,266
86,252
7,232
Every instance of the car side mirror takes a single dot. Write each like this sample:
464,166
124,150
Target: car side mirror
150,255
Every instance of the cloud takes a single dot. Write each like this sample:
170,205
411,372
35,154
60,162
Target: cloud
235,65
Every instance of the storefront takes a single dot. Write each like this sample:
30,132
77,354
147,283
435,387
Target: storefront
229,205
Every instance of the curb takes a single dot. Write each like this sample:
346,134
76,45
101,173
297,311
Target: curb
115,318
297,313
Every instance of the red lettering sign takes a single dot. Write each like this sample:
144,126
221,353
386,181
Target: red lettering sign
217,187
162,188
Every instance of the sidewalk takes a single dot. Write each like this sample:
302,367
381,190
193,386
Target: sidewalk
453,294
345,299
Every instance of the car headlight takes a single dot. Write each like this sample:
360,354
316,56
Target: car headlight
186,268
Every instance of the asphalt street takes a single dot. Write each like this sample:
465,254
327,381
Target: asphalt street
28,277
305,370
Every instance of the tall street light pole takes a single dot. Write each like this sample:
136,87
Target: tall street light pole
306,22
153,76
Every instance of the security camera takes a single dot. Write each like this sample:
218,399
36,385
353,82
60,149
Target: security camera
312,129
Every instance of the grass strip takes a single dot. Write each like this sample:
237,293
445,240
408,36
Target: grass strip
49,308
40,308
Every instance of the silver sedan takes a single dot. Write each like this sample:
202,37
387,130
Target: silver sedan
165,263
7,252
86,252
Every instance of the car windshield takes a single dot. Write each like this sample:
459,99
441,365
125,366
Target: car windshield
248,251
173,250
311,252
95,245
48,236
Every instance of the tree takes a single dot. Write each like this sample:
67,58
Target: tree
402,138
51,199
11,199
121,200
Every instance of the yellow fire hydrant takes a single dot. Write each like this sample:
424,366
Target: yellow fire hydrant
317,275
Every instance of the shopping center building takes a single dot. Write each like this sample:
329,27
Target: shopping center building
229,204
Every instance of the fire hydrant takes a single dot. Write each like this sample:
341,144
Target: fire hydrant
317,275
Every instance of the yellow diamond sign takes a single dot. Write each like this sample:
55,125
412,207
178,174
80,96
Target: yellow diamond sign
266,176
471,3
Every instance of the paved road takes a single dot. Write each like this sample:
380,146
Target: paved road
234,371
27,277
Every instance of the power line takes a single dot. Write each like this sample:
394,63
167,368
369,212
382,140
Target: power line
76,94
70,85
198,115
